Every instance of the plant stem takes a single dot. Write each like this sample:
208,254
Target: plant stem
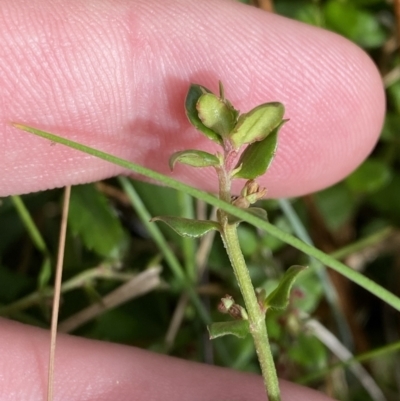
256,315
257,325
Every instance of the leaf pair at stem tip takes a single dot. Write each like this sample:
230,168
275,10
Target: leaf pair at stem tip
219,121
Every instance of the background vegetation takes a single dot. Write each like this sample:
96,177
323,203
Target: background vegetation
128,282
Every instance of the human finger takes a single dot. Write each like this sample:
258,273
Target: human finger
113,75
88,370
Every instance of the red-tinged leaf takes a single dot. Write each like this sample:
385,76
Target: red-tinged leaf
194,158
188,227
238,328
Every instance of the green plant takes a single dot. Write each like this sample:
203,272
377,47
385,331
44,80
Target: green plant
256,132
230,214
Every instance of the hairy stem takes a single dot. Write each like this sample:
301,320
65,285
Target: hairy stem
256,315
257,325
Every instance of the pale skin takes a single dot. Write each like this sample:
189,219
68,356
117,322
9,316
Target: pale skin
113,75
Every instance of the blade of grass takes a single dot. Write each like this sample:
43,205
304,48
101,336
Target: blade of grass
188,244
159,239
173,262
37,239
377,352
363,243
341,268
29,224
329,290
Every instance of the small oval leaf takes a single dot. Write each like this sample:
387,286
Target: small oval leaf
194,158
216,114
238,328
188,227
279,298
192,97
257,157
257,124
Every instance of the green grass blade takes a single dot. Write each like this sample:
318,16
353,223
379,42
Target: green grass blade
329,290
341,268
29,224
376,353
37,239
188,244
159,239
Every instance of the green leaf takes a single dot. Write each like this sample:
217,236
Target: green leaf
195,158
216,114
188,227
257,157
279,298
91,218
257,124
238,328
370,177
255,211
192,97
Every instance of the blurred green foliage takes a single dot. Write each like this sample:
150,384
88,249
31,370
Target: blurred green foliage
105,233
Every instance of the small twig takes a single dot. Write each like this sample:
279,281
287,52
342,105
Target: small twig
332,343
266,5
141,284
101,272
57,292
176,320
396,5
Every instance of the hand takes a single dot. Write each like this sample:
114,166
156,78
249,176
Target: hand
113,75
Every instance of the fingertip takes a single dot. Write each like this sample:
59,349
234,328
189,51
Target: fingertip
132,106
94,370
334,124
331,89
